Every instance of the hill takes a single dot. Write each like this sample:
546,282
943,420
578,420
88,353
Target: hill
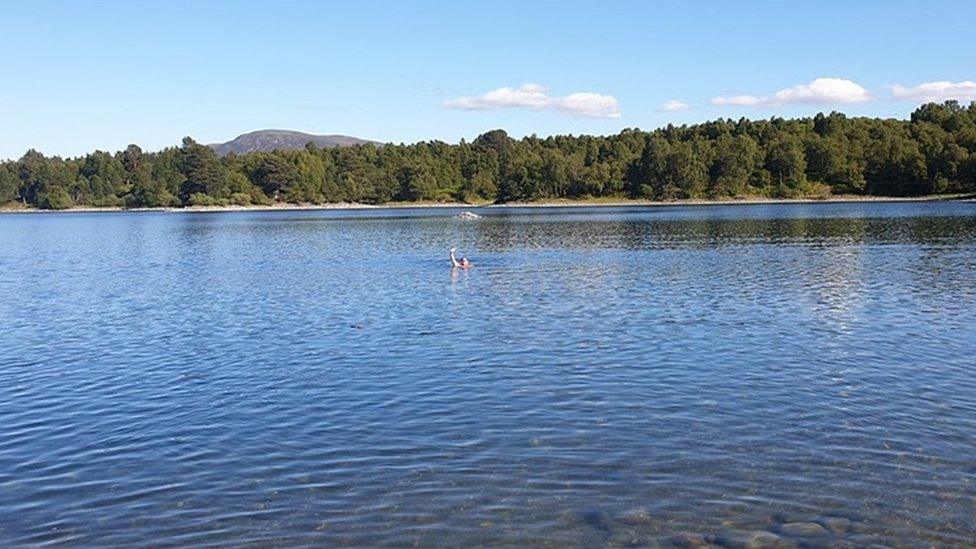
271,140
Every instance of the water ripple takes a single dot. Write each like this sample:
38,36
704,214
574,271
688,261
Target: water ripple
797,374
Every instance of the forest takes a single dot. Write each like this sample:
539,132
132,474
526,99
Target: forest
933,152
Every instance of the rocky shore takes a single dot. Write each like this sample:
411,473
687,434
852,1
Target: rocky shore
18,208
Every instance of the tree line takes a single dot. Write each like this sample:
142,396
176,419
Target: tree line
933,152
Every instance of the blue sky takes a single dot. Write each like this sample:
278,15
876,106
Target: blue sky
79,76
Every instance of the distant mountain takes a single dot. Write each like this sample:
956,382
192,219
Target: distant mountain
271,140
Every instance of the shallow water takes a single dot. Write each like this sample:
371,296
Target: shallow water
601,376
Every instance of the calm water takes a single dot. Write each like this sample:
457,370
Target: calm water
601,376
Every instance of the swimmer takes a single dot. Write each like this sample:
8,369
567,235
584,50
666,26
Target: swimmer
462,264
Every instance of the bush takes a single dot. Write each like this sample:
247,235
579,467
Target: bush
55,199
257,196
201,199
469,197
817,191
240,199
111,201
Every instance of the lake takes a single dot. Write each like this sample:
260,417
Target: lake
775,374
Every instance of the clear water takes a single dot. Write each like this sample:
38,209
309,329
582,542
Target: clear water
605,376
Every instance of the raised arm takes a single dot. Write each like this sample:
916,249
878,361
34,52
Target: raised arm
454,261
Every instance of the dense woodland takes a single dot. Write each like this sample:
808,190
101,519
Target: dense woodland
933,152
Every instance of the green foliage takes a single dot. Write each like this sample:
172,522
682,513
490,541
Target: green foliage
240,199
203,171
734,162
56,198
9,184
272,173
786,164
202,199
933,152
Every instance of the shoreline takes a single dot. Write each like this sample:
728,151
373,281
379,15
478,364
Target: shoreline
553,203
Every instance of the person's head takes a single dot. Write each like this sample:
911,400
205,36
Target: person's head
465,262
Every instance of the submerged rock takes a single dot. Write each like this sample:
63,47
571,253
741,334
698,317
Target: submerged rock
592,524
756,539
837,525
689,540
627,537
637,515
867,540
597,519
803,529
766,540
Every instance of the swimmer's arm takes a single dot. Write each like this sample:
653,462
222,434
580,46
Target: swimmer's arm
454,262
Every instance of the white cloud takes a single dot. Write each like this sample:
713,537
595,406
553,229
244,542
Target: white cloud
737,101
532,96
824,90
674,106
588,105
820,91
942,90
536,97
